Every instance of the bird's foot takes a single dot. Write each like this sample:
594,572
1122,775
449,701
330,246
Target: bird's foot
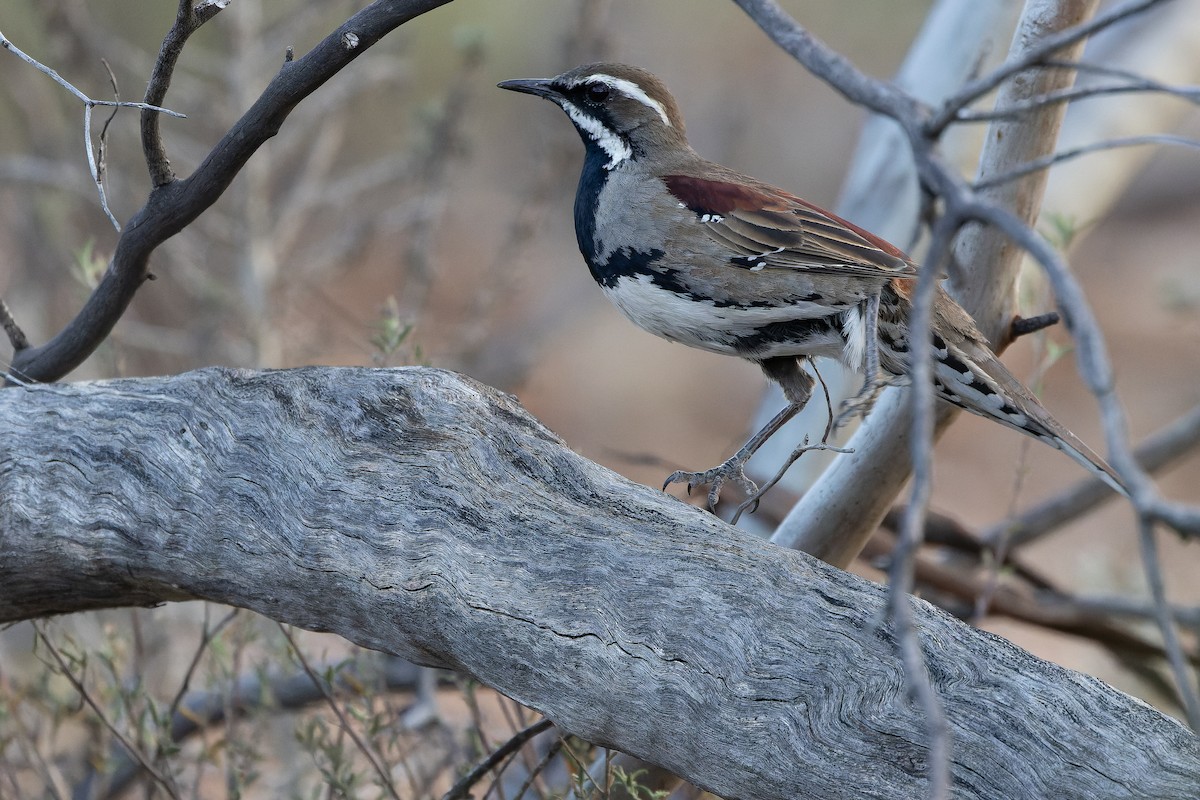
732,471
861,403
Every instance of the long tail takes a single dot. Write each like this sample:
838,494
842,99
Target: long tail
968,375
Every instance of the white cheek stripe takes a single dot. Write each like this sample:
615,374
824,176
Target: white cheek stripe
616,147
630,90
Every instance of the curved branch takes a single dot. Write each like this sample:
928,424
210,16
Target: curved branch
173,205
416,512
187,21
834,68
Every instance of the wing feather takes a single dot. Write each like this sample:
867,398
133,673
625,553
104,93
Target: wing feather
768,226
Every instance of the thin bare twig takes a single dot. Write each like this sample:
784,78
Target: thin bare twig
86,696
1156,451
1032,57
205,639
1066,155
1074,94
539,768
1152,566
793,457
61,81
102,154
461,789
95,167
1190,93
900,573
187,21
16,336
384,777
1023,326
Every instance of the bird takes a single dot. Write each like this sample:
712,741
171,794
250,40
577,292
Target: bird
697,253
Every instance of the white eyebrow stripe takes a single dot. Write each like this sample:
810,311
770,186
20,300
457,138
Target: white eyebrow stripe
629,89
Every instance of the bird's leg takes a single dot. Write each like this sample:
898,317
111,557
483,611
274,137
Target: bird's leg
797,386
733,469
751,501
873,384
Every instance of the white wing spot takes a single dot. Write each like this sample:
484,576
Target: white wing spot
758,267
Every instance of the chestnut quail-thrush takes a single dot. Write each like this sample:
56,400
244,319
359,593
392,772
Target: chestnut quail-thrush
699,254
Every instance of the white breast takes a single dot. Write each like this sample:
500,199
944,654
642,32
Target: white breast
704,324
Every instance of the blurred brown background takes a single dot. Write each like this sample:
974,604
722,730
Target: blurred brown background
410,195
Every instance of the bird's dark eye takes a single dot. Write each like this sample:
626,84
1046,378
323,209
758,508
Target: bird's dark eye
597,92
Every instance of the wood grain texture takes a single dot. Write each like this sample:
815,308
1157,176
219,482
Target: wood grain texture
417,512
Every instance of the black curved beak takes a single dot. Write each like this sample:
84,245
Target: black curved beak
542,87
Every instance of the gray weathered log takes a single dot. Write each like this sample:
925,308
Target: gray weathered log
417,512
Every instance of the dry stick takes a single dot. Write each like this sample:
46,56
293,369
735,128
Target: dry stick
87,698
1046,162
16,336
187,21
61,81
384,777
174,205
1023,326
1162,616
96,169
515,743
1156,451
1191,93
538,768
206,638
1032,57
900,573
102,148
1143,86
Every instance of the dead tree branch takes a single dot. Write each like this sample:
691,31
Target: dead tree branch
418,513
175,203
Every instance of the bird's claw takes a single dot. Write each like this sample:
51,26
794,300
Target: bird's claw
860,404
732,471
